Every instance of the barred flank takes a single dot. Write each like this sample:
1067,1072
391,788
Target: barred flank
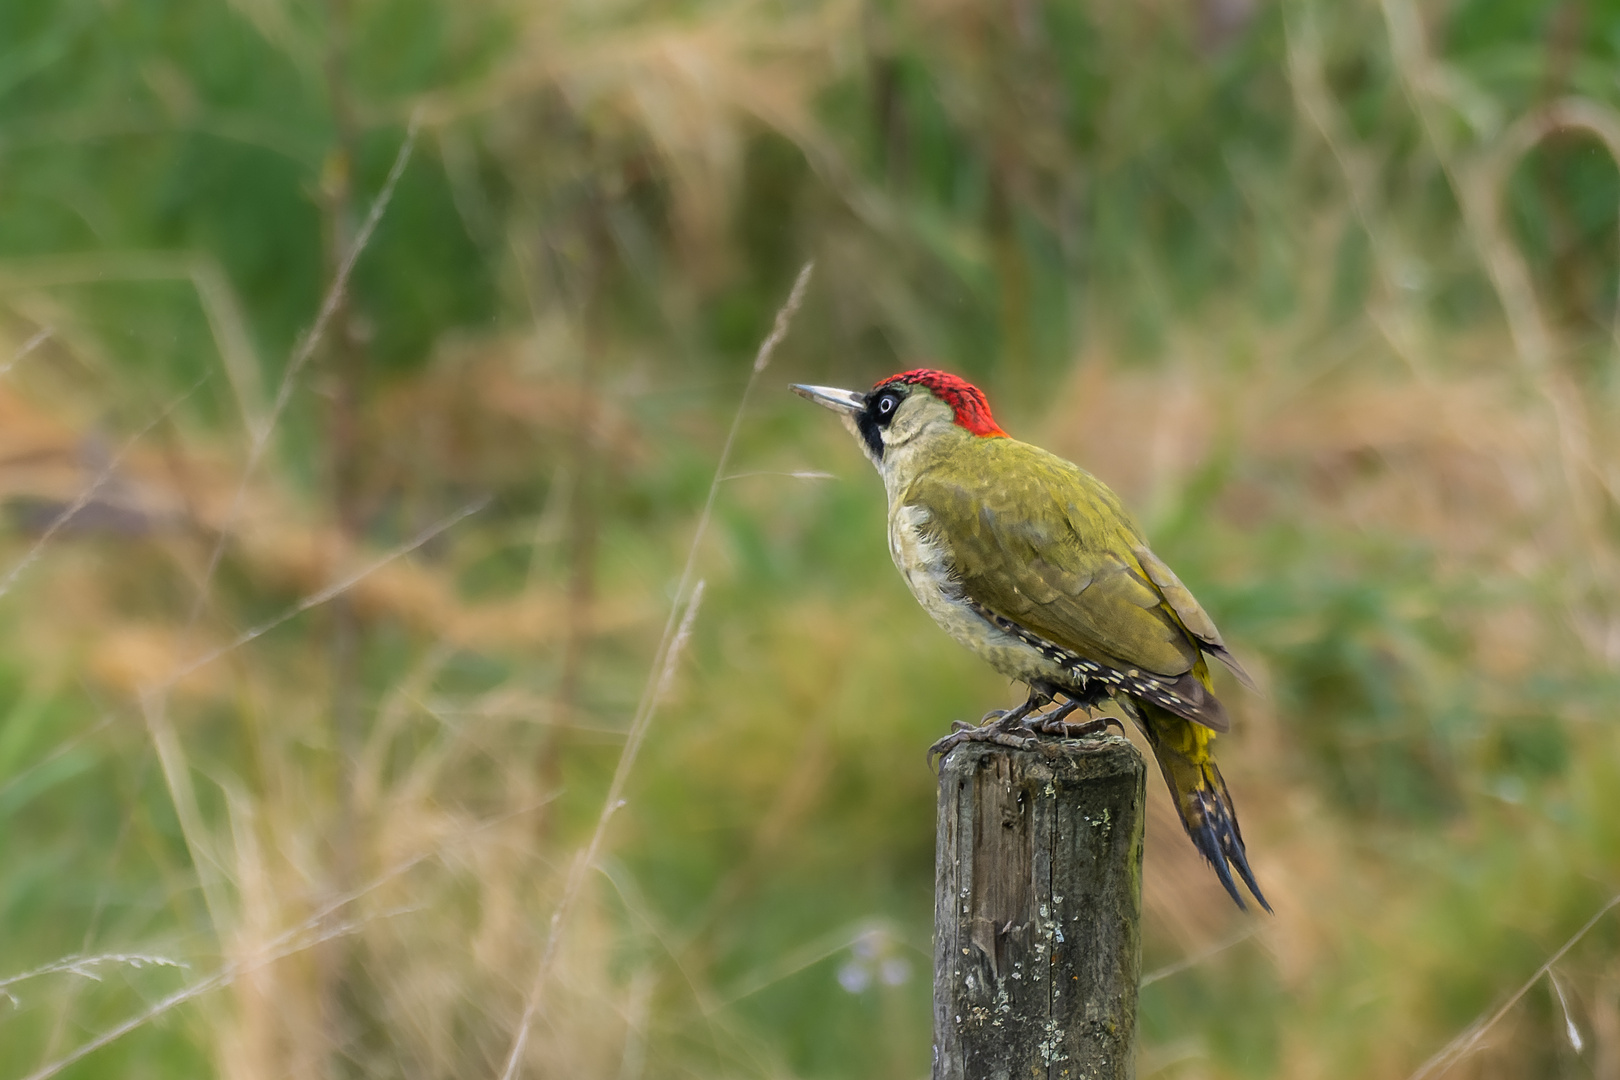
1184,694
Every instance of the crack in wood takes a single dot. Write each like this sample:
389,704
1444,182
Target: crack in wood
1037,910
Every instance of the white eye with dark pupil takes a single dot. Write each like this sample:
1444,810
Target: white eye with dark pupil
885,404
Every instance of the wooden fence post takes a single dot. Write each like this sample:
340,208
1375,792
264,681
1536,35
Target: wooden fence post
1037,910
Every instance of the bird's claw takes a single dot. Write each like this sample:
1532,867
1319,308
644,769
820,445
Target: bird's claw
1020,730
990,733
1004,727
1066,729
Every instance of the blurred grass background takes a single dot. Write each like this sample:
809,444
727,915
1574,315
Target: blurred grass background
1327,291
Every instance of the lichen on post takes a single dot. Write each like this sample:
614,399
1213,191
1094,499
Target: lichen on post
1037,910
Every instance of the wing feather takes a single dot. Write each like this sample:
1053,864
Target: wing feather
1190,612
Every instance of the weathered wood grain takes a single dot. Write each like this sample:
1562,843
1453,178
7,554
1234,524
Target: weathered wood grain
1037,910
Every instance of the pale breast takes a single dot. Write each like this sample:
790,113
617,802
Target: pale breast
927,573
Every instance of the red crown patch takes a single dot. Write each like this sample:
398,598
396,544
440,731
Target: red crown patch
968,401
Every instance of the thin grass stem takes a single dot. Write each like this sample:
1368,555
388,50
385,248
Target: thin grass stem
301,355
84,966
1194,959
1459,1048
27,347
659,677
289,942
336,589
84,497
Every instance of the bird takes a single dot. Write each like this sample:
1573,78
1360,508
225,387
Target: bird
1035,565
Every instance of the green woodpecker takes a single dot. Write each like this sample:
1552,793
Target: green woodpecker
1033,564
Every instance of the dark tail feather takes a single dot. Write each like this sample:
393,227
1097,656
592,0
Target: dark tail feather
1202,800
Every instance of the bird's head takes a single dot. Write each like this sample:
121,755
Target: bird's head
904,410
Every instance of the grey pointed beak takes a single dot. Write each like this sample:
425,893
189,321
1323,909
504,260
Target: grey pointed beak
830,397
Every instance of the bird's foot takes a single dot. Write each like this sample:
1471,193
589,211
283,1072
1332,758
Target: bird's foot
1057,723
992,732
1066,729
1009,720
1004,727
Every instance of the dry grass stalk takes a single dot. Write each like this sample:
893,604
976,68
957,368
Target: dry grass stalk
301,938
1464,1044
330,305
658,681
1479,181
85,967
39,338
218,301
85,496
341,587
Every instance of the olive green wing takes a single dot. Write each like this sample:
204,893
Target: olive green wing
1048,547
1189,611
